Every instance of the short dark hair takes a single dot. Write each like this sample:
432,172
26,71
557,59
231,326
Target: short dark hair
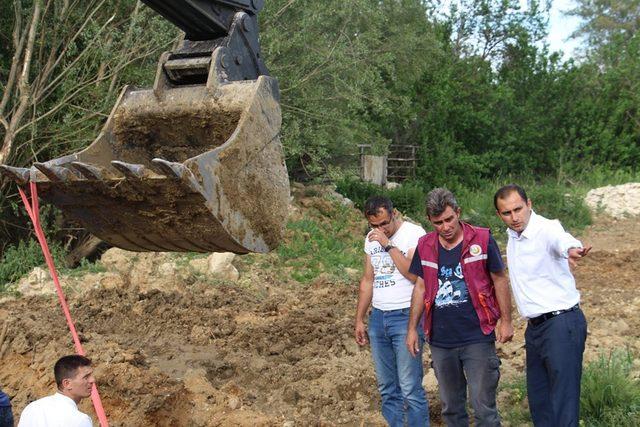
504,191
67,366
374,203
437,201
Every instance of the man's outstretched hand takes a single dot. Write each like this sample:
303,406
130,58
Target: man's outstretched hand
576,253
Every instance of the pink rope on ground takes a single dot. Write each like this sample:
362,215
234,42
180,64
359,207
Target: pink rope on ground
33,212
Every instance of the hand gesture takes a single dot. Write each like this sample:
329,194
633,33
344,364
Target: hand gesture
377,235
576,253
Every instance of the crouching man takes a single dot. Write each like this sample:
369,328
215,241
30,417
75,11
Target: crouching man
463,290
74,378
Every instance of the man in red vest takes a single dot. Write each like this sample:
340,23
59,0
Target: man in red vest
463,290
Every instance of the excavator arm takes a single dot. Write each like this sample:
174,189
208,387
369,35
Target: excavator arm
194,163
228,27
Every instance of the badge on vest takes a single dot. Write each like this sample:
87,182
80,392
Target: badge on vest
475,250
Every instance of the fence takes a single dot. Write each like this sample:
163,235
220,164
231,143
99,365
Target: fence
401,161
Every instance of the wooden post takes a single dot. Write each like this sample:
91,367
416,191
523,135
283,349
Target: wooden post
375,169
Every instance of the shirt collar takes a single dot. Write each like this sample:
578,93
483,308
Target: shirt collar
66,399
532,228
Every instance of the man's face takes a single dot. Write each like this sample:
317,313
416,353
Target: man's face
80,385
384,221
514,211
447,224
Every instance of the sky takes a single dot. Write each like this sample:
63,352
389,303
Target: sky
561,27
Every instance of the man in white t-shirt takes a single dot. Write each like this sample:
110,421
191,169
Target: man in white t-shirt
389,248
74,378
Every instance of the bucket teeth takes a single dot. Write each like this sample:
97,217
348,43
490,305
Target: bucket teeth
131,170
89,171
177,170
56,173
19,175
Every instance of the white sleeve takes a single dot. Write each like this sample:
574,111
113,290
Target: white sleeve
80,419
86,421
416,234
28,418
560,241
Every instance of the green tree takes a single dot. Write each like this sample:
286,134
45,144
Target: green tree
346,72
606,21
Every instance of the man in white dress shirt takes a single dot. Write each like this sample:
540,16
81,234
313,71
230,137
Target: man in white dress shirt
539,256
74,378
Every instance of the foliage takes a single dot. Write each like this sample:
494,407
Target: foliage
409,198
473,86
516,409
606,21
486,28
20,259
85,267
346,70
610,395
322,243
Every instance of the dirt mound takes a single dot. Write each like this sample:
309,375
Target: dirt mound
618,201
174,348
210,356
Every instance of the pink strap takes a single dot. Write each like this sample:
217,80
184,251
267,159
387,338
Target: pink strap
33,212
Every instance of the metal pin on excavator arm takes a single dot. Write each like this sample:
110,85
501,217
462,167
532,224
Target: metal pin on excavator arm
193,164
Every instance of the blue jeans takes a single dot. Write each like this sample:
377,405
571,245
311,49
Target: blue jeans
477,366
399,374
6,417
554,369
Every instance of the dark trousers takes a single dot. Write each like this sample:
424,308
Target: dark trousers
475,366
6,417
554,369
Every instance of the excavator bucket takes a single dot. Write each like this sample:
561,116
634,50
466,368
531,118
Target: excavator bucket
194,164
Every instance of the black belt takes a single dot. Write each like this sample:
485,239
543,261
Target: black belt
546,316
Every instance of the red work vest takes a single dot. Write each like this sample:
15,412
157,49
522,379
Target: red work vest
475,243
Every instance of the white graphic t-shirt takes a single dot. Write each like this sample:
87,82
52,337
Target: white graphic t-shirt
391,290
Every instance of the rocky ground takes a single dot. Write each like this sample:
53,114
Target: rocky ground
173,347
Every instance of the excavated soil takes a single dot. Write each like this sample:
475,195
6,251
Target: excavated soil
261,352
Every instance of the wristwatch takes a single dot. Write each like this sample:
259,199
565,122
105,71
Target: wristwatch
388,247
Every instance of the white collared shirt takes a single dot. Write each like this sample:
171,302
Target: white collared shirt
538,267
56,410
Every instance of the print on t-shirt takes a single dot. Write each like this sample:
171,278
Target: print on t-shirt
452,289
383,269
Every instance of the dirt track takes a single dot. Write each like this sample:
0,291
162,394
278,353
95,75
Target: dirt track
260,352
